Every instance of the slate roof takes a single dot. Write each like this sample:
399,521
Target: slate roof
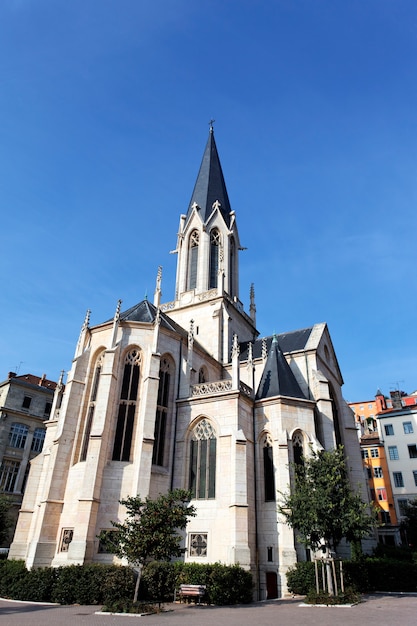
288,342
277,377
145,312
210,185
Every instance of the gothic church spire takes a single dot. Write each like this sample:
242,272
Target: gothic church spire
210,187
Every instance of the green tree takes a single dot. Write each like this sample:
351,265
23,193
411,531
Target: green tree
5,518
150,530
322,507
409,523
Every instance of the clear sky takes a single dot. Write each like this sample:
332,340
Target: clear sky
104,111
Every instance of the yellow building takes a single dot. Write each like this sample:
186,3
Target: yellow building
379,485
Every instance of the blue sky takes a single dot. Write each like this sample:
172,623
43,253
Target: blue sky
104,111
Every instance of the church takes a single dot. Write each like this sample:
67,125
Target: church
186,394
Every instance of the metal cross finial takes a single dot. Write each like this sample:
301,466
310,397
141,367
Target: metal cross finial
211,122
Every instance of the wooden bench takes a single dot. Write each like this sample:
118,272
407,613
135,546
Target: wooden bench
192,591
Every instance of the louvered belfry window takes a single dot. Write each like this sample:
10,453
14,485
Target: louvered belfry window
193,259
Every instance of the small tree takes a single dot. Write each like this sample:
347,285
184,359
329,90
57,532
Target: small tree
322,507
150,530
5,518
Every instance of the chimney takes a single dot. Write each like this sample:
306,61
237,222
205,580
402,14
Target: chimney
11,375
42,380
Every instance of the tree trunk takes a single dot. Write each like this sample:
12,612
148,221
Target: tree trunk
139,574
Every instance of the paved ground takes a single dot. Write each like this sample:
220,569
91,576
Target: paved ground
376,609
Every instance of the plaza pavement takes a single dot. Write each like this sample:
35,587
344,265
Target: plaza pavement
375,609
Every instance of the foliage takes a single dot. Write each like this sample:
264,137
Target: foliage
301,578
397,553
150,530
226,584
364,575
350,596
409,523
73,584
5,518
128,606
322,505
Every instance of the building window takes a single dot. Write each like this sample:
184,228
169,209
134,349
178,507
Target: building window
368,473
398,479
402,506
373,497
193,259
38,439
365,454
270,554
127,407
378,472
408,428
389,429
202,375
91,409
66,538
8,474
214,257
385,517
198,544
161,413
18,435
374,453
203,461
48,407
26,402
381,494
269,470
393,453
412,451
415,477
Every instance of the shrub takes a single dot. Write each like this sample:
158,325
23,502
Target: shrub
225,584
350,596
301,578
13,575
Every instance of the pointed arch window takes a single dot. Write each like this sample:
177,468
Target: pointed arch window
214,258
193,259
298,448
162,409
127,407
232,262
203,461
269,473
91,408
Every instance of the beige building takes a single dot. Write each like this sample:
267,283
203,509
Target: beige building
186,394
25,405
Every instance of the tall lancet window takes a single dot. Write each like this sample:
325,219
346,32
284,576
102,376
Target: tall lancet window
298,448
127,407
269,474
232,263
193,259
214,257
203,461
162,410
91,408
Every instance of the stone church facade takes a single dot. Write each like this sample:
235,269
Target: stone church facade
186,394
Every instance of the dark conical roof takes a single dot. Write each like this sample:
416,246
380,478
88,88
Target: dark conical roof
210,186
277,377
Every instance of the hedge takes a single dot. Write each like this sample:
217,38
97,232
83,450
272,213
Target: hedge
112,584
364,575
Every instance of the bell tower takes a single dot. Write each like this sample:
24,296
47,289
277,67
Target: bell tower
207,280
